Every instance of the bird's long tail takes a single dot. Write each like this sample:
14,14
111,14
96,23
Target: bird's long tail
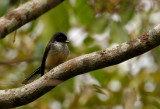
33,75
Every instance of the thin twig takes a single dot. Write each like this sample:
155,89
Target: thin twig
19,61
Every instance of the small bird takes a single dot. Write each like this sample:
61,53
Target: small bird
56,52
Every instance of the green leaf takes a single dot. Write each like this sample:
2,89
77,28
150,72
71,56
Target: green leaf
101,76
3,6
93,49
83,12
117,33
156,54
127,14
98,25
88,40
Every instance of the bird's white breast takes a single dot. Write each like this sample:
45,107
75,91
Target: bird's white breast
57,54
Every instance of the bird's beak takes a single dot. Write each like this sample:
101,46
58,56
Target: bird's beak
66,41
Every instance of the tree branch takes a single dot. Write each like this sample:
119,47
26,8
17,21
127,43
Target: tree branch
25,13
19,61
89,62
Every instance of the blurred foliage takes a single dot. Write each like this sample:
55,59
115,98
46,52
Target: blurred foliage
90,25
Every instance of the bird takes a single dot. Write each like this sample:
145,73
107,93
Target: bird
55,53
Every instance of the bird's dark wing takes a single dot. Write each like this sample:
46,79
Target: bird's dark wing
42,68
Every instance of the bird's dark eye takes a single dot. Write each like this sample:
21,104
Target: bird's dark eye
61,39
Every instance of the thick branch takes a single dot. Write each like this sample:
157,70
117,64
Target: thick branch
96,60
25,13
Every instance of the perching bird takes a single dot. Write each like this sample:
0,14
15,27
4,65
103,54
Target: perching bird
56,52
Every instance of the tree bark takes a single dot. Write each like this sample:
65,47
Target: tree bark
85,63
25,13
